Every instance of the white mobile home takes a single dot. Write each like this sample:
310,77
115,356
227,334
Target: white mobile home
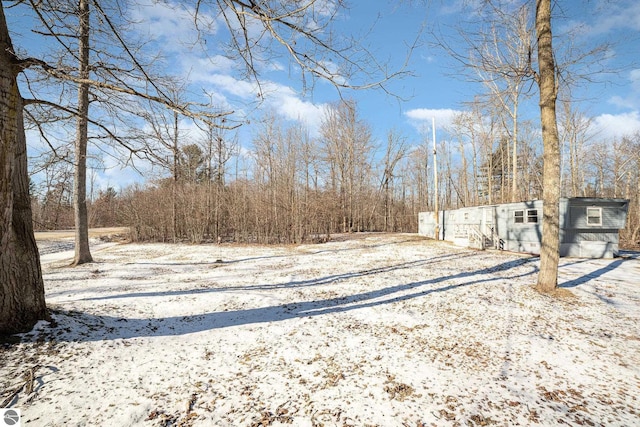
589,227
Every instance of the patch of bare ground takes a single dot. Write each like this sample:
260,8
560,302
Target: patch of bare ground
559,293
102,233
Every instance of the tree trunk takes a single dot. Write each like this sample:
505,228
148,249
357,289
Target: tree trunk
22,301
550,250
514,154
82,252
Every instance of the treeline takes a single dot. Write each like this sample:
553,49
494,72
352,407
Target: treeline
292,187
240,211
247,211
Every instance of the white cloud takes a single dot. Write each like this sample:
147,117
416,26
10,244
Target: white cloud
603,18
170,24
610,126
617,16
277,97
421,118
293,108
215,63
227,83
623,102
457,7
630,100
334,72
326,8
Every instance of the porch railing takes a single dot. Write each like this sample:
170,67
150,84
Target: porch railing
480,240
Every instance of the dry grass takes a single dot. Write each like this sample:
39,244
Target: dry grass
69,234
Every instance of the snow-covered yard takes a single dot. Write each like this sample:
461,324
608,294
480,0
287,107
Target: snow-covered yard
376,329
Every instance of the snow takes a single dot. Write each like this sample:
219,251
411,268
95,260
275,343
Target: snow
365,330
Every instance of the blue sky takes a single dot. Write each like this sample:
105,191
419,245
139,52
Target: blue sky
431,90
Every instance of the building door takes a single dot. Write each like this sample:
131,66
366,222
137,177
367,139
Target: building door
487,221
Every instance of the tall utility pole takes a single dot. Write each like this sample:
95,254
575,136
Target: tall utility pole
435,179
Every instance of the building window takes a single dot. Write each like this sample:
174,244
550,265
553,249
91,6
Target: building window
531,217
594,216
518,217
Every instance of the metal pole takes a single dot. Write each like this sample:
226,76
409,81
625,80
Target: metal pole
435,180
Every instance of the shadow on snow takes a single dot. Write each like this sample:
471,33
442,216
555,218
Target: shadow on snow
80,326
326,280
593,274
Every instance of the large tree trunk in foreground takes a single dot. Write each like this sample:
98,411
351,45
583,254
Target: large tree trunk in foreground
82,252
22,301
550,250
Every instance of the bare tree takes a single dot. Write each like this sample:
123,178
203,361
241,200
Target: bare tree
574,135
632,234
396,150
82,252
500,57
300,27
624,159
161,139
303,28
561,65
71,26
491,165
347,146
463,128
548,85
277,155
55,190
418,176
219,147
531,162
503,65
95,57
22,301
309,221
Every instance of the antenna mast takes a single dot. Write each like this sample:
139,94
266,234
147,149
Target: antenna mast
435,179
